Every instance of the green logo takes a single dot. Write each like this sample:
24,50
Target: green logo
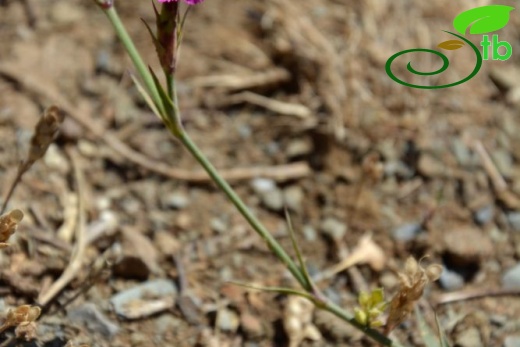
480,21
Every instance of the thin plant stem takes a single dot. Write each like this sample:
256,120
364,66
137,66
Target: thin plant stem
242,208
138,62
374,334
175,127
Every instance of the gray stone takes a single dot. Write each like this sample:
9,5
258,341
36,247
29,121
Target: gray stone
333,228
94,320
175,200
511,278
407,232
484,214
145,299
451,280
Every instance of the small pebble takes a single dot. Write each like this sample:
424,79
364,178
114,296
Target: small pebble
484,214
293,197
430,166
333,228
273,199
462,254
469,337
261,185
407,232
146,299
450,280
251,325
218,225
511,278
298,148
227,320
175,200
309,233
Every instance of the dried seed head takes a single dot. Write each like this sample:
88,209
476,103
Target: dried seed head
8,224
22,315
26,332
44,133
412,283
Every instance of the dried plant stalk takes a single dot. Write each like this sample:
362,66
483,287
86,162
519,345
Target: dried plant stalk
45,133
412,283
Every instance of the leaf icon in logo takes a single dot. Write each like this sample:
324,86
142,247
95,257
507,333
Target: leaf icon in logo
451,45
482,20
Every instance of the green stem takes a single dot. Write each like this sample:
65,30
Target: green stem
374,334
141,67
242,208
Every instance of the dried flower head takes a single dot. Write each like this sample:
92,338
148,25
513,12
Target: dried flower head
412,283
22,315
8,224
45,131
23,318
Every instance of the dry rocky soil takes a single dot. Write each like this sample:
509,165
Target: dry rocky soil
291,102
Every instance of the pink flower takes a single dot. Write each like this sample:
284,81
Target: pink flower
189,2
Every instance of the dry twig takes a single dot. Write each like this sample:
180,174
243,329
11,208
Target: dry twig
448,298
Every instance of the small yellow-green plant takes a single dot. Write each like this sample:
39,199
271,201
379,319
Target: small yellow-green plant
372,306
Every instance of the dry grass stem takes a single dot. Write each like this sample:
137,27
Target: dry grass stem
276,106
239,82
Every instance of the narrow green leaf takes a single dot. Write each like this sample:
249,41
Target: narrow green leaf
442,335
451,45
279,290
147,98
482,20
157,44
298,251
